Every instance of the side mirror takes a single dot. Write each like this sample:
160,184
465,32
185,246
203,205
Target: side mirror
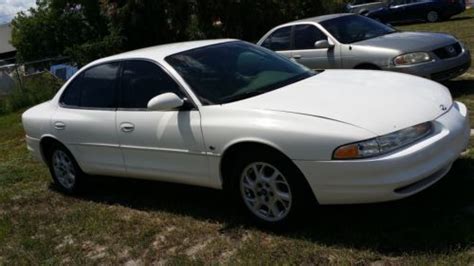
165,102
323,44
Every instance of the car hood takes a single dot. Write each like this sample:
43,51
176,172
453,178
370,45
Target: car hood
410,41
381,102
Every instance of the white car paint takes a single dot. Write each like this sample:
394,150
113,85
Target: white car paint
306,121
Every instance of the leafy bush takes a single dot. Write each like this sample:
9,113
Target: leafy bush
32,90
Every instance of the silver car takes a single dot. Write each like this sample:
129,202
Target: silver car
353,41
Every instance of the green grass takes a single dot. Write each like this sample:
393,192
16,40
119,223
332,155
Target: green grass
119,221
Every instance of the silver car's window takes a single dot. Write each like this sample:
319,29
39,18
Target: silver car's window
354,28
279,40
233,71
306,36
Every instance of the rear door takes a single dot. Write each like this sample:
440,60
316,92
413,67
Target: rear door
85,120
159,145
305,53
397,11
417,9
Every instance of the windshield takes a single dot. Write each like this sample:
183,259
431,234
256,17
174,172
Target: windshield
233,71
350,29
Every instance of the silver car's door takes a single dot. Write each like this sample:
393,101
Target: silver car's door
160,145
85,120
280,41
305,52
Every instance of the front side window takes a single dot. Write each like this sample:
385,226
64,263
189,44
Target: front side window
141,81
354,28
279,40
233,71
306,36
94,88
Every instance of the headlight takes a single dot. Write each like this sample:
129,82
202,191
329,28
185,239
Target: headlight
412,58
383,144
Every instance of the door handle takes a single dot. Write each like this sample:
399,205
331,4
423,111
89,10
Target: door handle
297,56
127,127
59,125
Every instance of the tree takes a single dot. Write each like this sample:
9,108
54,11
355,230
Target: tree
88,29
148,22
59,28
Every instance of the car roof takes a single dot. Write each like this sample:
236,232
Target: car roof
160,52
320,18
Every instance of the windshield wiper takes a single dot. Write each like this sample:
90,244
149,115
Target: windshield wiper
268,88
242,96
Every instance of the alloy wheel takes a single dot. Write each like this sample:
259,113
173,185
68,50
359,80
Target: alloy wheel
64,169
266,191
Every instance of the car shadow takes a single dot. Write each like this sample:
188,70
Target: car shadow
436,220
460,87
413,22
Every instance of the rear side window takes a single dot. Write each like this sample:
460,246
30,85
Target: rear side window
141,81
94,88
72,94
306,36
280,40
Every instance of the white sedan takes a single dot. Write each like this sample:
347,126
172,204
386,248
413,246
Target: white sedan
227,114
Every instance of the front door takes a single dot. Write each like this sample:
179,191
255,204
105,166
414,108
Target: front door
159,145
305,53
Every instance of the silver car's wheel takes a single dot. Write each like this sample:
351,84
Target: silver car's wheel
266,191
432,16
64,169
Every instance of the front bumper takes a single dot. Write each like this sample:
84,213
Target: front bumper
439,69
396,175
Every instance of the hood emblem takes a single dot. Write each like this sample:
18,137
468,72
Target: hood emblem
451,50
443,107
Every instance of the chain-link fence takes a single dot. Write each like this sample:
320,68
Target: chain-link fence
27,84
14,76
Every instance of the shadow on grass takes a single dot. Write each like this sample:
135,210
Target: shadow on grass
413,22
438,220
460,87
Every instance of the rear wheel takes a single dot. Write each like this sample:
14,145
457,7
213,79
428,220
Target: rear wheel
64,169
432,16
270,188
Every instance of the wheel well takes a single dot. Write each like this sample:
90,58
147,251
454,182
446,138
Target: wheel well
232,153
367,66
45,146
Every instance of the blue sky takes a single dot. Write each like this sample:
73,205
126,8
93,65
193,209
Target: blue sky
8,8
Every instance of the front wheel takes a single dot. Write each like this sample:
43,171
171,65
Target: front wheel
270,188
266,192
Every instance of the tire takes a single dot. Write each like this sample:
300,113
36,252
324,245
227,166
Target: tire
66,173
270,202
432,16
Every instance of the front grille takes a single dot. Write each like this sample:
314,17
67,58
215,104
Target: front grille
449,51
450,73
